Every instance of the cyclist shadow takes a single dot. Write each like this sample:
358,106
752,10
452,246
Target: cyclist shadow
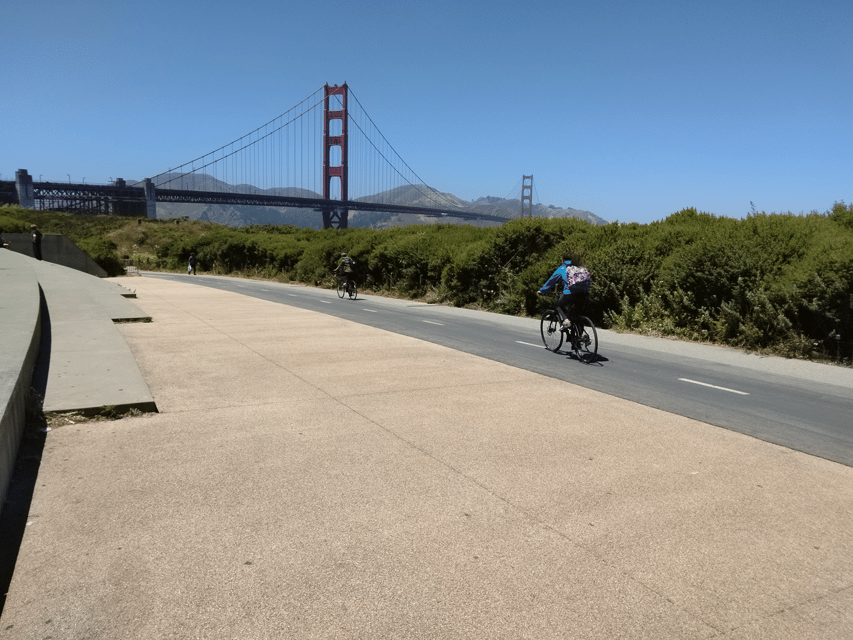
596,359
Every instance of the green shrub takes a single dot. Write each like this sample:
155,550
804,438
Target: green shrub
9,224
104,253
773,282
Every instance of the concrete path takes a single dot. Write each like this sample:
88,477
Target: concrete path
309,477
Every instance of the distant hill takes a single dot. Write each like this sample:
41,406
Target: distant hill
512,209
419,195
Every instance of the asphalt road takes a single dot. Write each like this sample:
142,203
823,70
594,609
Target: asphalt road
780,401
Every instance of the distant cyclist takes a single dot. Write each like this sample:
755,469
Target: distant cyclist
346,269
576,282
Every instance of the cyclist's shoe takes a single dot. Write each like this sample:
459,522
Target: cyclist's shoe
566,325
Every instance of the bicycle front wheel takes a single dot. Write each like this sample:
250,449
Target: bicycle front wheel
341,289
584,339
552,334
352,290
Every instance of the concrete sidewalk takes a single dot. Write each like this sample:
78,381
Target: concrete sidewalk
309,477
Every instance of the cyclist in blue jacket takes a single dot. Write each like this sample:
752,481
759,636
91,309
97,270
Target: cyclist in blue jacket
576,282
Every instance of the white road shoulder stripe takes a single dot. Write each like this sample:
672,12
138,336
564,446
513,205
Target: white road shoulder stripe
713,386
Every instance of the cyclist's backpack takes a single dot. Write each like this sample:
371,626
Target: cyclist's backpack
579,280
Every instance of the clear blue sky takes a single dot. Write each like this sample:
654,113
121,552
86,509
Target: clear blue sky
630,109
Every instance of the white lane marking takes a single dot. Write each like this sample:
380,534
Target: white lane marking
440,324
325,301
713,386
267,290
530,344
371,310
293,295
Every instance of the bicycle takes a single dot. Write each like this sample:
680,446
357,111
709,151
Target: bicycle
346,286
581,335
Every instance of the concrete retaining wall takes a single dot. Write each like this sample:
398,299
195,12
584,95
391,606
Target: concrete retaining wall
56,249
19,347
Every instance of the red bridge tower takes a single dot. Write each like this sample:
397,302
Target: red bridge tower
335,216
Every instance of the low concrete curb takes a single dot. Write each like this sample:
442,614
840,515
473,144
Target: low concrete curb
58,249
85,363
90,366
20,333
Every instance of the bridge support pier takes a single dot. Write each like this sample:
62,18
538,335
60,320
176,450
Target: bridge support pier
335,218
24,186
150,199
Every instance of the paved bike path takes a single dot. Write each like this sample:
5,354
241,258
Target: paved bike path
312,477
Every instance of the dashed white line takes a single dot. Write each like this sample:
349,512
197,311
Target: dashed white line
440,324
325,301
371,310
713,386
530,344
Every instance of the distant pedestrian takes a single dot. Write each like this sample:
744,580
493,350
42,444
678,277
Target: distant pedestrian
36,242
191,265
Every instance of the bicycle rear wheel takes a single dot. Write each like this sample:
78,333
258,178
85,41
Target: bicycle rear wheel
341,289
552,334
352,290
584,339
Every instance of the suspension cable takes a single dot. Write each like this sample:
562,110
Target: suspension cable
397,154
240,139
257,161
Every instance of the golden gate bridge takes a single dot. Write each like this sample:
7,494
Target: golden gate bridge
324,154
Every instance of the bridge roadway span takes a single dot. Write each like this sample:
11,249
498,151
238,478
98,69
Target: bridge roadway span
310,476
122,199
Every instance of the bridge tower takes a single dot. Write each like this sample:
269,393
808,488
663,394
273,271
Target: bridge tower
335,216
526,196
24,187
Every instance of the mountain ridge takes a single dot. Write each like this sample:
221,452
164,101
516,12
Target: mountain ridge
410,195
